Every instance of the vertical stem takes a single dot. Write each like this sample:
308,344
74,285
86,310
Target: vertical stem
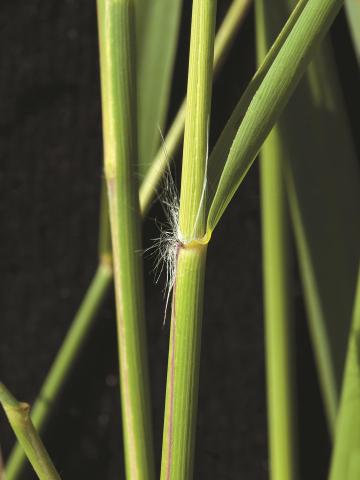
184,351
195,152
278,319
183,366
223,40
101,282
18,414
117,60
277,294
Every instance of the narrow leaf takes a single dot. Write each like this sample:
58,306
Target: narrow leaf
271,98
323,191
221,150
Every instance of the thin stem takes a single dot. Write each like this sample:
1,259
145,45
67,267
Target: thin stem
183,366
184,350
118,86
63,362
224,38
85,317
195,152
18,414
277,291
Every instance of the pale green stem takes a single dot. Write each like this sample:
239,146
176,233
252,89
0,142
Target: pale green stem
102,280
279,344
177,462
18,414
278,319
184,351
345,462
117,62
196,141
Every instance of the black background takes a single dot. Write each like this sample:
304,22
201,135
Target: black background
50,171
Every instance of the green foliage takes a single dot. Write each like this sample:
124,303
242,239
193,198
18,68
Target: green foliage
271,97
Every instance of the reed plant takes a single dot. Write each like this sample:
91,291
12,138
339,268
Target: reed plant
137,44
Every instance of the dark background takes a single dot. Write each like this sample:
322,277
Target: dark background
50,171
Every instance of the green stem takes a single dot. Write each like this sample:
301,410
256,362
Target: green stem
195,152
277,291
184,350
63,362
117,65
224,38
101,282
18,414
278,320
183,366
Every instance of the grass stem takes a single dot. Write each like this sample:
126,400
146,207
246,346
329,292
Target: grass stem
118,86
279,344
100,284
185,341
63,362
18,414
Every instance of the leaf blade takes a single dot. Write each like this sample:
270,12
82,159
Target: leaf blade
270,99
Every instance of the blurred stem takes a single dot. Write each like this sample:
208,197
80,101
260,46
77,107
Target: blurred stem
100,284
277,293
345,462
118,88
353,15
18,414
278,319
